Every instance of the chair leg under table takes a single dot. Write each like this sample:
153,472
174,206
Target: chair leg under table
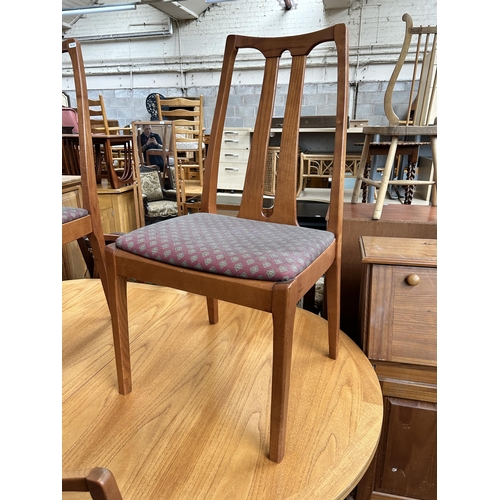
361,168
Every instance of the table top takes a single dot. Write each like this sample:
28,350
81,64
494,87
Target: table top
196,424
102,137
398,251
71,179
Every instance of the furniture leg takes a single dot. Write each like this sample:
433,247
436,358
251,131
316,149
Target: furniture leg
283,311
87,256
99,264
364,197
119,321
410,190
379,204
213,310
361,168
331,297
434,176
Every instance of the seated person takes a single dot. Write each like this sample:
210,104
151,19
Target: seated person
150,140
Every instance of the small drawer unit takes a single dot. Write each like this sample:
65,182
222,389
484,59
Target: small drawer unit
398,312
234,158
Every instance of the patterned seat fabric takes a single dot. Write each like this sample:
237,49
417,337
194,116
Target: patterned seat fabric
228,245
72,213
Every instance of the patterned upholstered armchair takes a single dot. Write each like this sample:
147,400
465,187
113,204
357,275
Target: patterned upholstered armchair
157,206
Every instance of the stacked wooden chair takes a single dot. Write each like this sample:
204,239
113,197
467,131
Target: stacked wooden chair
187,146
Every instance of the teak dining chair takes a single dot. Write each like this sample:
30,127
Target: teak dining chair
78,223
99,482
262,258
418,119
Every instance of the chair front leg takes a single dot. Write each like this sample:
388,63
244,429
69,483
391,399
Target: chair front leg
386,175
283,312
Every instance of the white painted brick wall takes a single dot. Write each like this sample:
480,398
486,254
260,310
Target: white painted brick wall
127,71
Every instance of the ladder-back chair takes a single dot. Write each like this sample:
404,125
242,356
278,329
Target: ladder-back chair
187,115
262,258
418,119
99,119
78,223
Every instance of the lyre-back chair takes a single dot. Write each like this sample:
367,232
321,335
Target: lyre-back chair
414,120
78,223
262,258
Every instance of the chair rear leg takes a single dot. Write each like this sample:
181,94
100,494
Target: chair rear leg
283,322
118,308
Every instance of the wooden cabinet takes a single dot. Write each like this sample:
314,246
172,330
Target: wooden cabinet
234,158
399,336
119,211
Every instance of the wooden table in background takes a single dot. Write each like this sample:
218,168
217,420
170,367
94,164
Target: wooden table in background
196,424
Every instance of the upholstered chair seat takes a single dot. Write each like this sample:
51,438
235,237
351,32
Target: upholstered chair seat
222,244
72,213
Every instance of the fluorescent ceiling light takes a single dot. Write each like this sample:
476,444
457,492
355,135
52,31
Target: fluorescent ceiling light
98,8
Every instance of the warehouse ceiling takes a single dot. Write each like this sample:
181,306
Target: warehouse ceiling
182,9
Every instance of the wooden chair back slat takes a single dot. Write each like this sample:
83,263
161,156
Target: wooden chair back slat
284,208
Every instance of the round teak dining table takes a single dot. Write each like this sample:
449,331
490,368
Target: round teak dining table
196,424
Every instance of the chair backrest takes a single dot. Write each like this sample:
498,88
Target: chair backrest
98,118
85,151
420,50
187,112
284,209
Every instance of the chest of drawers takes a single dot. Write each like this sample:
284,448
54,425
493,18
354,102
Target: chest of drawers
398,313
234,158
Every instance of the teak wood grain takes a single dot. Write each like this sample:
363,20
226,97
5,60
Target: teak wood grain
196,426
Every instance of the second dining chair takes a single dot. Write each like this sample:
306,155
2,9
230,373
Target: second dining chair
84,221
262,258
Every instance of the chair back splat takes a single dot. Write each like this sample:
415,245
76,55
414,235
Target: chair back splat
262,258
284,209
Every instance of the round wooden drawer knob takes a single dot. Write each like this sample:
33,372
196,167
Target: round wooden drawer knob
413,279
